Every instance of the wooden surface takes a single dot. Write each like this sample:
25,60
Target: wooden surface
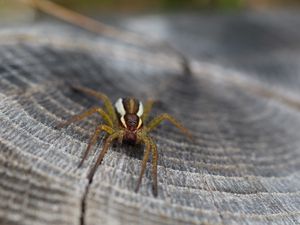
243,108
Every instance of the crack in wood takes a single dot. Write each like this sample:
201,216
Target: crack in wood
83,204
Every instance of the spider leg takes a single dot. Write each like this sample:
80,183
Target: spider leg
157,120
85,114
147,109
107,103
93,140
154,167
104,150
144,162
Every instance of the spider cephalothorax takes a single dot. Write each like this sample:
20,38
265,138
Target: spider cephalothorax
126,122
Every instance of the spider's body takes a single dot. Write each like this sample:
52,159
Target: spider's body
126,121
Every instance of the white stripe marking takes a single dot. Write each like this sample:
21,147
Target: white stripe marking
120,107
141,110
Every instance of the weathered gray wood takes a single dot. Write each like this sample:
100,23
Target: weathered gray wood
243,167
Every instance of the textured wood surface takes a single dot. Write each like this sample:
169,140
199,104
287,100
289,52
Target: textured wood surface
243,167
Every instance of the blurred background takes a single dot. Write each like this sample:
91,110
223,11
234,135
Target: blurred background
256,36
170,5
14,10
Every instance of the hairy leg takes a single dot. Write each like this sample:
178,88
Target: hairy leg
147,109
106,101
85,114
144,162
157,120
94,138
104,150
154,167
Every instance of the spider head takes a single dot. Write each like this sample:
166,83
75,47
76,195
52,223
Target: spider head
130,111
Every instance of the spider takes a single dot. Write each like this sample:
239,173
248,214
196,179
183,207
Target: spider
124,121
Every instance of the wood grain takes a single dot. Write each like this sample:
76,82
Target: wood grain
243,167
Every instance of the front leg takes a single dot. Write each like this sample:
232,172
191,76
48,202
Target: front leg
107,103
85,114
154,167
94,138
145,159
104,150
157,120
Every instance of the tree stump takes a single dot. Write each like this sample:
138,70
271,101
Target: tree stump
242,168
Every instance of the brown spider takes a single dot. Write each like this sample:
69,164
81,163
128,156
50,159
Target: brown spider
125,122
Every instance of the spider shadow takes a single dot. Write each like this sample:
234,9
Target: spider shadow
135,151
